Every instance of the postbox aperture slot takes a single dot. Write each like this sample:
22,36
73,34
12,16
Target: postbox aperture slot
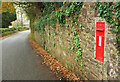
100,30
100,40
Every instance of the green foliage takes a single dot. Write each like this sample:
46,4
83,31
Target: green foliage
80,26
67,66
67,11
83,75
60,17
76,58
50,16
7,18
46,48
74,31
111,12
7,31
48,8
76,48
78,53
68,33
53,13
72,48
54,44
19,28
81,63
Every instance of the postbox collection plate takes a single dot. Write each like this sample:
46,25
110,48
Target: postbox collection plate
100,38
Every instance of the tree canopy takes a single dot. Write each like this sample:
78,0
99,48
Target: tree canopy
8,7
8,14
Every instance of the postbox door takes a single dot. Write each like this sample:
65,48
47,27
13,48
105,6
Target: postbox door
100,35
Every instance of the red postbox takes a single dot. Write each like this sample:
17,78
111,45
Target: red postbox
100,38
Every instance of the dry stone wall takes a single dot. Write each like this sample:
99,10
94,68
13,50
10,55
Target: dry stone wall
58,40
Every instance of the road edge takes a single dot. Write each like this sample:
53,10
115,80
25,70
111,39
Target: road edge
60,70
1,38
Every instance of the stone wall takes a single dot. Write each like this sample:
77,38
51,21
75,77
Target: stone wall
58,40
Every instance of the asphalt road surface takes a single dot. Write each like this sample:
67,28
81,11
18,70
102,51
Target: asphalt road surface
19,62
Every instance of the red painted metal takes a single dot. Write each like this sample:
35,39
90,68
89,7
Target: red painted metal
100,37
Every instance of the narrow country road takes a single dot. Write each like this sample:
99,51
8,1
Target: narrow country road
19,62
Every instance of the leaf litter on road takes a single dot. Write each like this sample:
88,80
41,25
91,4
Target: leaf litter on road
60,70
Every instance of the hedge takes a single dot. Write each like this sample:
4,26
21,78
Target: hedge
8,31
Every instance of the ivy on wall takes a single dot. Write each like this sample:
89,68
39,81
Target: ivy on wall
64,11
111,12
52,13
50,18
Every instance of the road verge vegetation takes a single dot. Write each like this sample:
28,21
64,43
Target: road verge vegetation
8,31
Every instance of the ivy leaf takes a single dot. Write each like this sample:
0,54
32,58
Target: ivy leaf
81,63
79,49
105,12
116,27
112,24
45,47
80,26
78,36
69,47
119,40
54,44
104,15
66,25
78,53
72,48
57,28
76,58
48,50
116,13
113,30
116,24
83,75
98,14
119,18
75,23
106,18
